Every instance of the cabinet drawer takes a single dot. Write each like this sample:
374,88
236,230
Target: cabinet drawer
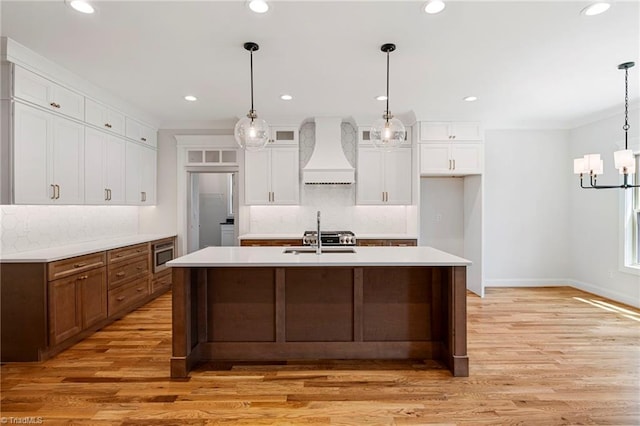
66,267
126,253
121,273
161,281
128,295
403,242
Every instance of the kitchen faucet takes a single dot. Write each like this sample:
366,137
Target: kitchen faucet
318,239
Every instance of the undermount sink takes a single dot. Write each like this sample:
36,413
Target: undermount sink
312,250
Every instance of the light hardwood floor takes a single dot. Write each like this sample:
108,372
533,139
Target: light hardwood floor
538,356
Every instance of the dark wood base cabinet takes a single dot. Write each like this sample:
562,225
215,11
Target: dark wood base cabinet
279,313
47,307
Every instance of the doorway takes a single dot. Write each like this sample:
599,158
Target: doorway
212,207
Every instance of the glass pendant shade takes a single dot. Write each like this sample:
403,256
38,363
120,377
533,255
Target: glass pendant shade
388,133
251,134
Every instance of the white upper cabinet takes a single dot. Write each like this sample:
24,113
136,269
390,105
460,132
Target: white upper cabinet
40,91
451,159
450,131
48,157
140,132
272,176
140,174
383,177
364,136
104,168
103,117
283,136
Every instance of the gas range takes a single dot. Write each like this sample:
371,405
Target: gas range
329,238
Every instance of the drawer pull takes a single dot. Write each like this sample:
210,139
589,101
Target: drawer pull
120,299
140,268
120,274
143,139
118,255
107,125
139,289
55,105
83,277
80,265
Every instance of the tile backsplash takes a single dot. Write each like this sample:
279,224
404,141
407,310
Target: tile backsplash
336,202
24,228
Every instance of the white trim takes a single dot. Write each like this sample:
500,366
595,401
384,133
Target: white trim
563,282
613,295
528,282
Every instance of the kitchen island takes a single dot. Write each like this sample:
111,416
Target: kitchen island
264,303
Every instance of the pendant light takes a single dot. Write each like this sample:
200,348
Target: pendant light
251,132
624,160
388,132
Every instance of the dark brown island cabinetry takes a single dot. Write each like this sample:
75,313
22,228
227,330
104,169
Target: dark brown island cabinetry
386,242
273,242
47,307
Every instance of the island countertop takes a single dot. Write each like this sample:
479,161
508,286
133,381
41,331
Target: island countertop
275,256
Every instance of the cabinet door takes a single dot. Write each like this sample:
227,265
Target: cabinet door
285,180
466,158
148,175
95,188
114,166
104,117
67,102
132,174
93,297
284,136
397,175
257,170
67,161
465,131
370,179
32,132
65,319
434,131
140,132
434,159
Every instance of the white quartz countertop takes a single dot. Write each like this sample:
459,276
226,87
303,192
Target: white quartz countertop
52,254
299,236
275,256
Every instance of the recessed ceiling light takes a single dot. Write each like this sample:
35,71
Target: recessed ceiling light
286,97
190,98
434,6
259,6
596,8
381,98
470,98
81,6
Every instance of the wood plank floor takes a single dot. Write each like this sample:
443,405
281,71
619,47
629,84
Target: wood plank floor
538,356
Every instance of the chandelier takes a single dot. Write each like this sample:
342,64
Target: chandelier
624,160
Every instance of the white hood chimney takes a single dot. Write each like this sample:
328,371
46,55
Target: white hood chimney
328,164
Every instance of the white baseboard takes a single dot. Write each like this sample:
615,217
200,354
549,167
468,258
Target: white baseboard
544,282
559,282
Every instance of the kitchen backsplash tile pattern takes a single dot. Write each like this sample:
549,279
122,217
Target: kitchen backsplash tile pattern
26,228
336,202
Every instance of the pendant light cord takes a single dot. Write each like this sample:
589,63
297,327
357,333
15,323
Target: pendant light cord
387,112
251,56
626,107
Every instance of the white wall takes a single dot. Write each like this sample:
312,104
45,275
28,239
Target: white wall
527,215
441,213
594,229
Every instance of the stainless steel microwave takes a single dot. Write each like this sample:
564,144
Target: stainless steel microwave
162,253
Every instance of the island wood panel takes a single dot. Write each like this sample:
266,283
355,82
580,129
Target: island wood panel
220,314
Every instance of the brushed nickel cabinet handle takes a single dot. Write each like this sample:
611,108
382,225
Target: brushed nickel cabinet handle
120,274
79,265
107,125
57,192
55,105
109,194
143,139
53,192
106,194
139,289
454,164
120,299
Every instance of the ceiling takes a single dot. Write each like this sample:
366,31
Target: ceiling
538,64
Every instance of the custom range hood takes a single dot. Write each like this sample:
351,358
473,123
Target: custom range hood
328,164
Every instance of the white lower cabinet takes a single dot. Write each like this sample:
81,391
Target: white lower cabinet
451,159
384,177
104,164
272,176
48,159
140,174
